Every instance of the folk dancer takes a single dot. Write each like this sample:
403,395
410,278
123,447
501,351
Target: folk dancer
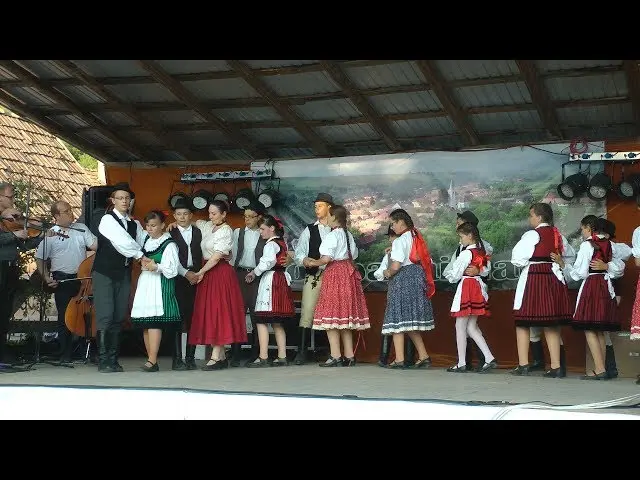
307,249
66,251
385,341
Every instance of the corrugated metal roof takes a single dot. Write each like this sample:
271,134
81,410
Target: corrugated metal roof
327,110
579,88
247,114
81,94
602,133
301,84
373,149
510,138
6,75
69,121
142,93
30,96
555,65
490,122
111,68
596,115
180,117
468,69
176,67
273,135
376,76
221,88
423,127
45,69
515,93
277,63
294,152
441,143
391,103
347,133
97,137
171,156
145,138
118,118
232,155
204,137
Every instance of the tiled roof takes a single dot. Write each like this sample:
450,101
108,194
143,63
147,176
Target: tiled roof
27,152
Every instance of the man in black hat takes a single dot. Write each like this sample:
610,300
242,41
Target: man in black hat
469,217
188,237
247,249
119,243
308,247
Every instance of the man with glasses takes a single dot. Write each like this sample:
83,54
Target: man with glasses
11,242
66,251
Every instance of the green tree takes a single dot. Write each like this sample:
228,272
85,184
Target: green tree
85,160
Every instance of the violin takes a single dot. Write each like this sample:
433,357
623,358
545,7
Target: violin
17,222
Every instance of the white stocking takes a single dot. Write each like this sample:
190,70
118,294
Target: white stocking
474,332
461,339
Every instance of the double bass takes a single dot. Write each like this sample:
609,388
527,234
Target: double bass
80,316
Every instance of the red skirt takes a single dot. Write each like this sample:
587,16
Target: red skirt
472,303
545,302
281,298
219,311
596,310
635,315
341,303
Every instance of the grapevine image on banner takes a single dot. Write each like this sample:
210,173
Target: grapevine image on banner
498,186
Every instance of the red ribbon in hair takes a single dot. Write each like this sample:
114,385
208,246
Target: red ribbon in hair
279,222
420,253
557,241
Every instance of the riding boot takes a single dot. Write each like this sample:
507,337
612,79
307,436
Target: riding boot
480,355
409,353
563,362
176,357
102,339
255,345
190,357
610,362
537,354
469,356
236,349
301,356
385,349
114,348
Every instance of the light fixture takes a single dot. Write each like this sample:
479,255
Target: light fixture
573,185
201,200
222,196
268,197
174,197
599,186
243,198
629,187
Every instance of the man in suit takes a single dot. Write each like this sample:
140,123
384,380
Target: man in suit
188,237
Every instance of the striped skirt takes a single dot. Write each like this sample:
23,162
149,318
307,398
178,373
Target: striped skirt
282,306
545,301
596,310
408,308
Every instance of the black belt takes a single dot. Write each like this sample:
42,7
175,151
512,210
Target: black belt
246,269
63,276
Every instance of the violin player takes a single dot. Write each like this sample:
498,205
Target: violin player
67,248
11,242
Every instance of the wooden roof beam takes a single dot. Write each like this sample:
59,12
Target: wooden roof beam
58,97
286,112
632,72
165,137
362,104
540,97
445,95
190,100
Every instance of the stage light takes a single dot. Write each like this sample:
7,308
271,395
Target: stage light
629,187
223,197
573,186
201,200
244,197
599,186
267,197
174,197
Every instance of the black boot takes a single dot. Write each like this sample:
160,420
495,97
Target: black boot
255,347
113,349
537,354
301,356
236,349
104,365
610,362
480,355
190,357
66,345
563,363
409,353
469,356
385,348
176,357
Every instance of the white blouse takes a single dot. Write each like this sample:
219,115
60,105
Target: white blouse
384,264
635,243
220,241
401,249
170,262
334,245
525,247
456,272
579,270
268,258
621,251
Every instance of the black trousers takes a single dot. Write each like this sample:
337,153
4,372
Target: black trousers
9,275
186,296
64,292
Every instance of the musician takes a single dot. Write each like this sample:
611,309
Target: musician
188,237
308,248
66,249
11,242
119,243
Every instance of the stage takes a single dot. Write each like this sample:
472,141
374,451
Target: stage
307,392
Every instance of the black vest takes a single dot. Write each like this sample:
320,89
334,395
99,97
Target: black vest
109,261
314,246
183,249
257,252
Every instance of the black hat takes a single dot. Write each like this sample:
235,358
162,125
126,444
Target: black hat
256,206
324,197
468,217
182,202
124,186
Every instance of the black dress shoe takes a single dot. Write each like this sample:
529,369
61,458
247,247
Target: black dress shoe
457,369
150,368
259,363
520,370
488,366
555,373
424,363
178,364
332,362
349,362
190,363
596,376
217,365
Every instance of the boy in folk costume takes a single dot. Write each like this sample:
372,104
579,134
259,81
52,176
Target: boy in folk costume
188,238
307,249
274,303
471,298
542,297
596,308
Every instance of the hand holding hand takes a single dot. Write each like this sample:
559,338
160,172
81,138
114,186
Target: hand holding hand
599,265
472,271
558,259
192,277
250,277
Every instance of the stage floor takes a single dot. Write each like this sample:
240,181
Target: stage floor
365,381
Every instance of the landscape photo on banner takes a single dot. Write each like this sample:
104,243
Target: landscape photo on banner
497,185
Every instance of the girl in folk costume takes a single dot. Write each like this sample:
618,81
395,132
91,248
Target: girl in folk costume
385,342
155,306
274,303
218,314
470,300
341,307
542,297
596,308
411,286
635,313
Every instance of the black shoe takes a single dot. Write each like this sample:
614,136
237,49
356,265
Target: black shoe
259,363
599,376
331,362
178,364
280,362
190,357
520,370
152,367
397,365
217,365
348,362
488,366
424,363
457,369
554,373
236,349
537,355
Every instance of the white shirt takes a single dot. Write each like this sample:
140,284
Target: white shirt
117,234
635,243
268,259
456,272
219,241
170,262
251,238
401,249
187,235
66,254
384,264
523,250
621,251
302,248
579,270
334,245
483,273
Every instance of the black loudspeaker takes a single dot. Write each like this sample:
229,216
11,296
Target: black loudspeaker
94,204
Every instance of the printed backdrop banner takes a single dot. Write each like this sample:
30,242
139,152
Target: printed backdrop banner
497,185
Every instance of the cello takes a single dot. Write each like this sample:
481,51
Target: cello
80,317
